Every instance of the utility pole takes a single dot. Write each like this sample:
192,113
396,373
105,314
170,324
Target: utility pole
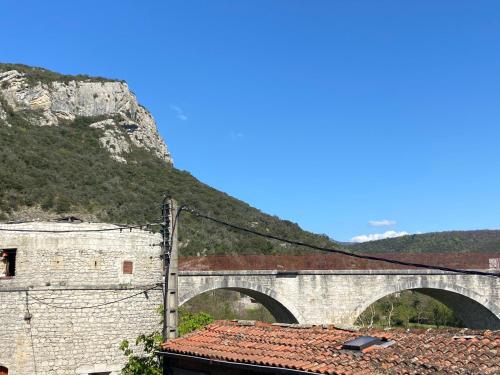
170,271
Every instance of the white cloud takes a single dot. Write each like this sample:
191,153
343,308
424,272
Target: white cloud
378,236
179,112
237,135
382,223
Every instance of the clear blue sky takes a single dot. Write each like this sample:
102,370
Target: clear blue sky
329,113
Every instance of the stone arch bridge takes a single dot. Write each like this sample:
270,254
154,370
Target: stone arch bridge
339,296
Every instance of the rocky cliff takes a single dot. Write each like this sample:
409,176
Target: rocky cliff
45,98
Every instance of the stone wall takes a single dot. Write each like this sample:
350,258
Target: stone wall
47,325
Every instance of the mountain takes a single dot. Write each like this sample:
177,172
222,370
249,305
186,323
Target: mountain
441,242
83,146
46,98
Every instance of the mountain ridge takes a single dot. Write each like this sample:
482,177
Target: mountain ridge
51,99
481,240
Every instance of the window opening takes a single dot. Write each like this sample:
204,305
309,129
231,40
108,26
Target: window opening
7,263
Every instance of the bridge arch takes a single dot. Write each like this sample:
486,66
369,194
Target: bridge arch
475,310
282,310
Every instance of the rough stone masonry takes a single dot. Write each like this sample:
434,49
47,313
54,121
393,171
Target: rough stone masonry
46,326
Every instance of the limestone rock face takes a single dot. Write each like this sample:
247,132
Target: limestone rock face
3,114
127,121
113,140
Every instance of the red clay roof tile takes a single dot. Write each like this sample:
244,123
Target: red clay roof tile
319,350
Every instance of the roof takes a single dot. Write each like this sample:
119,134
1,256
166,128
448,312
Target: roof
318,349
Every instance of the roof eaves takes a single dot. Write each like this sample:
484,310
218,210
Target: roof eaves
246,366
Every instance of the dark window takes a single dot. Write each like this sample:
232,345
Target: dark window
128,267
99,373
8,262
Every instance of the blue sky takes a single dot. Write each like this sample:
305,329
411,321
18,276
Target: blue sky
337,115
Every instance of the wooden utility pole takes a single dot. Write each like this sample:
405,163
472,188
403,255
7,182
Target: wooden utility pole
170,271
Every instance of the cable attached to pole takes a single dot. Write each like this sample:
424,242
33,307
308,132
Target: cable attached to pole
337,251
56,306
121,229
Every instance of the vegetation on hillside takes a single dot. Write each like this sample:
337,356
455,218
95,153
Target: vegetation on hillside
226,305
64,169
442,242
42,75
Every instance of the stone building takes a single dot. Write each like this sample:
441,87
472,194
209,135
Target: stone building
72,292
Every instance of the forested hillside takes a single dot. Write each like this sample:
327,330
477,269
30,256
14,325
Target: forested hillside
63,169
439,242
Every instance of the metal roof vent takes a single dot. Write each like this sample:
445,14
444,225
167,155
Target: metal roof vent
361,342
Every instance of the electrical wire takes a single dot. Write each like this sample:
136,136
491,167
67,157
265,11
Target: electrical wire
336,251
121,229
92,306
28,315
176,219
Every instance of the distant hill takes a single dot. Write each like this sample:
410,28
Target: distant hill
453,241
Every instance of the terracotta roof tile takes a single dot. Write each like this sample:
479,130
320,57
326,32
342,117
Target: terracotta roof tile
319,350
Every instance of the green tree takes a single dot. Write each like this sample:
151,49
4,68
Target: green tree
404,312
441,315
146,364
189,322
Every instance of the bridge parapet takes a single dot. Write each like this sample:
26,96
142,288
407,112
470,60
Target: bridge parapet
483,261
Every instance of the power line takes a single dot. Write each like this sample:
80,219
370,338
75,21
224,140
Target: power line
121,229
98,245
105,288
28,316
92,306
336,251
